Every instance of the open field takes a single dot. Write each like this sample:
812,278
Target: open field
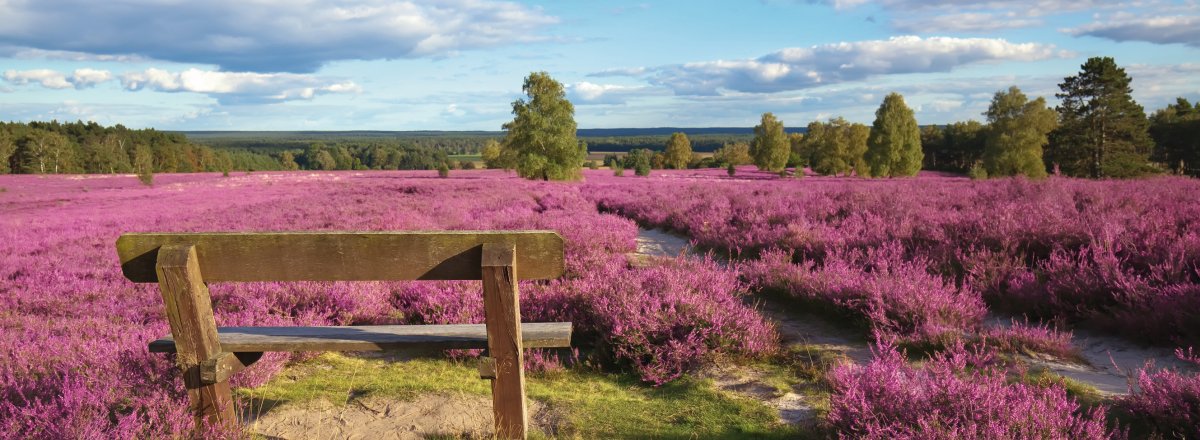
899,308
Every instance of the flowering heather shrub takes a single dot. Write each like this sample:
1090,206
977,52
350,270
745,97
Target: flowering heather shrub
897,298
1121,254
1168,401
1023,337
73,331
957,394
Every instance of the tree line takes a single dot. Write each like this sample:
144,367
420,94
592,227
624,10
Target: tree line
1098,130
87,147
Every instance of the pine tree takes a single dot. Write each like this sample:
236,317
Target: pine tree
678,152
1103,131
542,132
894,145
1017,131
770,147
1176,132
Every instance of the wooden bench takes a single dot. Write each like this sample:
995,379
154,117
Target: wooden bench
207,355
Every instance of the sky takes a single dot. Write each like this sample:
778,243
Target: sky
459,64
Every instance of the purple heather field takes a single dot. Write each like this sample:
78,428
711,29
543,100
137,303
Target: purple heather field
923,264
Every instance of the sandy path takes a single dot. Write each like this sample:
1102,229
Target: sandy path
428,415
1111,361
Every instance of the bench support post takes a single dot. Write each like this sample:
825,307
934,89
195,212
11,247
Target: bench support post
189,311
502,314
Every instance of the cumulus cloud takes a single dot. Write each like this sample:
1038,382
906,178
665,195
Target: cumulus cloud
237,87
52,79
264,35
802,68
1176,29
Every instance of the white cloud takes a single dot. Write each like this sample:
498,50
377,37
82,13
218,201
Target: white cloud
1175,29
83,78
264,35
237,87
584,93
47,78
802,68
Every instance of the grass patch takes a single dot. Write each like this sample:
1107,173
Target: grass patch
589,404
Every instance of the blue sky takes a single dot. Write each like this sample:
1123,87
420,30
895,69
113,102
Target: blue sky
458,64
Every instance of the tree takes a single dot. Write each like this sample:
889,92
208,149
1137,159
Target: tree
496,157
443,170
798,157
7,148
678,152
287,161
1103,131
542,132
143,164
894,145
41,152
324,161
962,146
836,147
640,160
1017,131
733,154
1176,133
770,146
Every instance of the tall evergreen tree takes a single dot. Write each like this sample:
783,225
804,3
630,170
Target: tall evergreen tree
770,146
542,132
1102,131
1017,131
678,152
894,146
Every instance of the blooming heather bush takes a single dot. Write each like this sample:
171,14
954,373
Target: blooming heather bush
895,297
662,321
1167,400
956,394
73,359
1120,254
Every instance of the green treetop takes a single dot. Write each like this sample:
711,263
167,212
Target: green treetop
541,136
894,146
770,146
678,152
1103,131
1017,131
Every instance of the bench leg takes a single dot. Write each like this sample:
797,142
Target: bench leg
189,311
502,313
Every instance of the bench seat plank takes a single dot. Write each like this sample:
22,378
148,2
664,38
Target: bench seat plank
374,337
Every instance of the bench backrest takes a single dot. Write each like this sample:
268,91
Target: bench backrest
344,256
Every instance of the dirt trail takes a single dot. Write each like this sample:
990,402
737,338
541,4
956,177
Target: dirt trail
795,328
1110,360
429,415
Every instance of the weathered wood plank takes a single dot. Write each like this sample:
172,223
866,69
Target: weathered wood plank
220,368
343,256
502,313
375,337
189,312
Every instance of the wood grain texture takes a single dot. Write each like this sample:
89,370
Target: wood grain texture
343,256
189,312
220,368
374,337
502,315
